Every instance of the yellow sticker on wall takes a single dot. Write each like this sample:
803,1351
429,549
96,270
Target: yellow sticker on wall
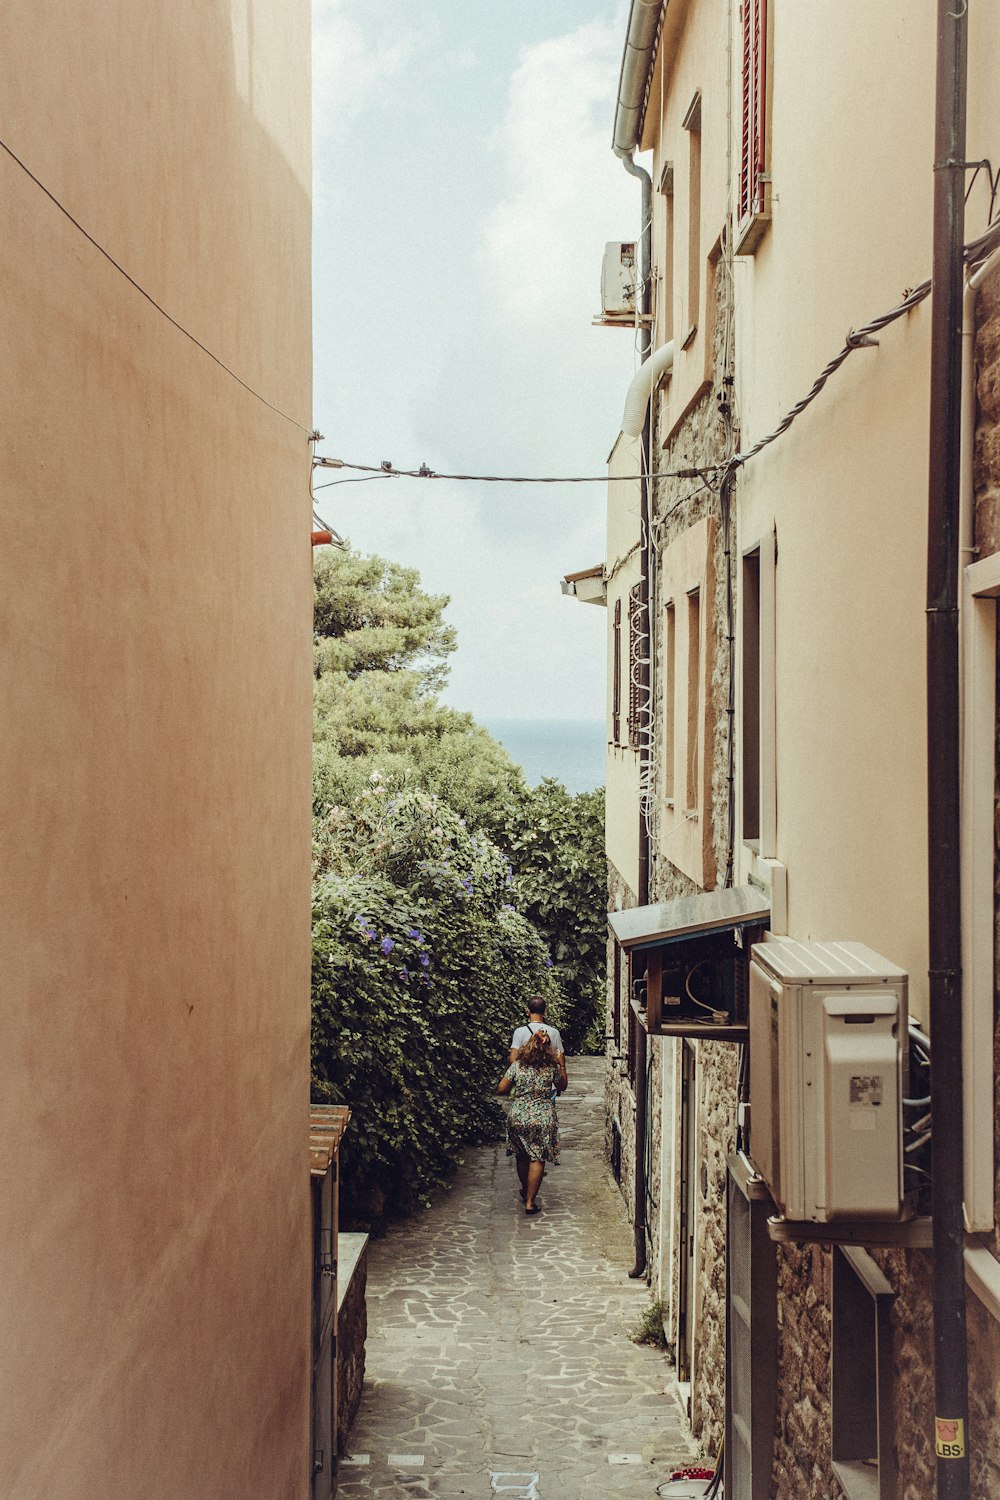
950,1433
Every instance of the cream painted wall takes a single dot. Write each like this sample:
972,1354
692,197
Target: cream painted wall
846,487
154,1245
692,61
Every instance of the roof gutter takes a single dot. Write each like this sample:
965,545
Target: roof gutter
637,59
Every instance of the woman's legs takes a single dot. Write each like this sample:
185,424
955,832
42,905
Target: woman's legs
521,1162
536,1171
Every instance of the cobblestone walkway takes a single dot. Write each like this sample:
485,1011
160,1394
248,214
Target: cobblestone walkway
499,1360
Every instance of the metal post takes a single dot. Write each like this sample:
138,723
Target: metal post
944,907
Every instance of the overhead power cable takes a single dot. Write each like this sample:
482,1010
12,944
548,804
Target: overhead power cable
387,471
149,298
976,252
864,338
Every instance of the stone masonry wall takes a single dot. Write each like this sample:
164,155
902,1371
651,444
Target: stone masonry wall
699,441
352,1331
619,1098
983,1330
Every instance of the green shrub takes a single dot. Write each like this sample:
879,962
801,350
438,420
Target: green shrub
649,1329
421,965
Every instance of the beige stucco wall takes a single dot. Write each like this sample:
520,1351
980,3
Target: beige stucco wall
154,1311
845,488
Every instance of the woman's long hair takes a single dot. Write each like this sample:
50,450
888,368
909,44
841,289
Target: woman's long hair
538,1052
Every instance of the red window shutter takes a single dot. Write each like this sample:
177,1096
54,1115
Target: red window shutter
616,690
754,83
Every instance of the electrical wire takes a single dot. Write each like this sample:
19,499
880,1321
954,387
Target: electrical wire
717,1015
336,539
356,479
387,471
149,298
864,338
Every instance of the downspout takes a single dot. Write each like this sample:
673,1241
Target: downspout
943,822
637,59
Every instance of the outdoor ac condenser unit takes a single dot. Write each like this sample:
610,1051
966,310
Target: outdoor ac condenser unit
619,276
828,1058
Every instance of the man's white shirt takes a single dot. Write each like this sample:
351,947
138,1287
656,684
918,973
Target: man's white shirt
523,1034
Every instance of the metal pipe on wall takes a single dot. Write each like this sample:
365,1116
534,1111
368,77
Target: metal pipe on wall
944,869
642,894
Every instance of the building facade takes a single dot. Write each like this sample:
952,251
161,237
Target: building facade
156,621
767,733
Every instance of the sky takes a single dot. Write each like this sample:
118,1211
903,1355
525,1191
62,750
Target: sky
464,190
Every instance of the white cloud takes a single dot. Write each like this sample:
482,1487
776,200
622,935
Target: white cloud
563,194
352,60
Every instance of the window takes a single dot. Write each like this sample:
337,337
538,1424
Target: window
616,676
861,1377
694,699
636,652
669,707
666,186
751,696
692,124
758,784
753,201
751,1335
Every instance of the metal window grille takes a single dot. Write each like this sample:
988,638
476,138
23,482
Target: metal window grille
616,692
636,650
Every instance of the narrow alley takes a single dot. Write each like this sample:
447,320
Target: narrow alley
499,1357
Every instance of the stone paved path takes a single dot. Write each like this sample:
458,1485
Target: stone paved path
498,1353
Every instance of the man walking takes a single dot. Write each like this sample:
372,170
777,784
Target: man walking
537,1022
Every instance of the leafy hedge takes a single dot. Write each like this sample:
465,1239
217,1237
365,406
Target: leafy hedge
421,965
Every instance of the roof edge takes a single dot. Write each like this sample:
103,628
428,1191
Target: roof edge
641,37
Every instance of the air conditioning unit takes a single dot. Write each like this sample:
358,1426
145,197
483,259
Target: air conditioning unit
619,279
828,1066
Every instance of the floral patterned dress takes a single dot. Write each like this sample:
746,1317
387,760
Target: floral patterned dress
532,1127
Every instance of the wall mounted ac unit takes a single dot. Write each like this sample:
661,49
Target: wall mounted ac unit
619,279
828,1063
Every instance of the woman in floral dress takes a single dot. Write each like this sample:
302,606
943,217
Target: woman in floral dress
532,1128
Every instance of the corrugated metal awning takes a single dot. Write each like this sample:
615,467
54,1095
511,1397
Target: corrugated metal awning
687,916
327,1123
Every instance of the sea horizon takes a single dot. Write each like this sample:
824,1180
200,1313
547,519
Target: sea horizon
571,750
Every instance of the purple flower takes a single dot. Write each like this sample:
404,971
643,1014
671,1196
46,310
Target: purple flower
387,945
425,962
548,962
403,974
414,932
